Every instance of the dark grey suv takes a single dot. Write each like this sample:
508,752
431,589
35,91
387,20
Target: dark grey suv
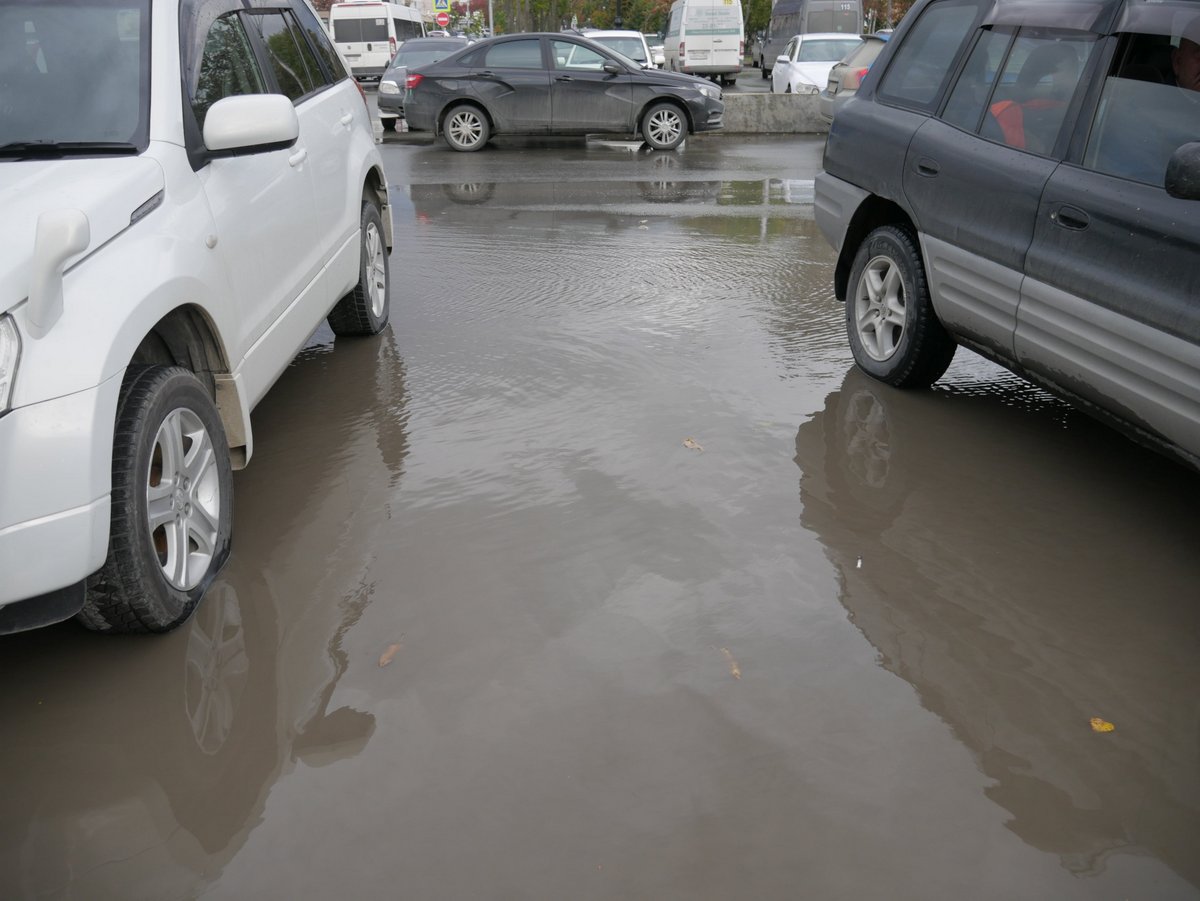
1023,179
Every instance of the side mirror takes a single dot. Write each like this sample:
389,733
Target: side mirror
612,68
782,59
251,121
1183,172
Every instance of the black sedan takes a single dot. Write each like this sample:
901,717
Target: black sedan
413,53
561,84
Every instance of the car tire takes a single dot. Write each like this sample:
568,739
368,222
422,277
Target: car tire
388,124
766,73
895,335
466,128
664,126
172,504
364,311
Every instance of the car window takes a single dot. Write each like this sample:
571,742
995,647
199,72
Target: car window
569,55
864,54
334,67
524,54
349,31
1034,89
74,72
227,66
923,61
971,92
291,59
790,50
825,51
421,56
1143,116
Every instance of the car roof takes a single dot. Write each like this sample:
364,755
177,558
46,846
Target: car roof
829,35
613,33
437,40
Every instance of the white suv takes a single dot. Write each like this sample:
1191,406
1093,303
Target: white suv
189,187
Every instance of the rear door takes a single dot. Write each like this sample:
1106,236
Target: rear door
975,187
714,34
511,79
1111,306
585,98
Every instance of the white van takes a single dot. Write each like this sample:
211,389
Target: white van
705,37
368,34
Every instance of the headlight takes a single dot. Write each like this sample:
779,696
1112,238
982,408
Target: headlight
712,92
388,87
10,351
803,88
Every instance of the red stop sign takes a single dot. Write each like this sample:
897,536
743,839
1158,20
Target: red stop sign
443,19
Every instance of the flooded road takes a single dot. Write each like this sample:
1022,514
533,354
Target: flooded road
601,574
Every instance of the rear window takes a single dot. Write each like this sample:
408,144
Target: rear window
352,31
865,53
825,51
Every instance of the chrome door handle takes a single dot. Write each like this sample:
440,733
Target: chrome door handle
297,158
347,119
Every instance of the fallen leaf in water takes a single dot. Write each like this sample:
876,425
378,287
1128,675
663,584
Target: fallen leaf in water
1099,725
734,669
690,444
386,657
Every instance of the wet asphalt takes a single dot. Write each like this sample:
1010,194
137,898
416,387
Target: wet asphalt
602,574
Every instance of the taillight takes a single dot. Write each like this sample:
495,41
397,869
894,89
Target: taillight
363,95
852,79
741,49
682,52
413,80
392,46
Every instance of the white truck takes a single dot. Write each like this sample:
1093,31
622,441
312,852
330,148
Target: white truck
706,38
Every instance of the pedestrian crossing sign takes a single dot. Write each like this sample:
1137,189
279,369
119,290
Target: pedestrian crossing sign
441,6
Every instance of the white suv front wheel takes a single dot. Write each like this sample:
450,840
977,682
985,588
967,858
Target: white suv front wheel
172,504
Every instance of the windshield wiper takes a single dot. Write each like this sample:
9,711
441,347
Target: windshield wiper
51,149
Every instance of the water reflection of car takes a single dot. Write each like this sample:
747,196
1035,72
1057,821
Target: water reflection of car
413,53
1010,606
161,761
804,66
848,73
563,84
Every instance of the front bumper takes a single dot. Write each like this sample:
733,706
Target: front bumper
709,116
54,491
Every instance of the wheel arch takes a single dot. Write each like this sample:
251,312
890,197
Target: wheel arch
666,98
187,337
871,214
454,104
375,188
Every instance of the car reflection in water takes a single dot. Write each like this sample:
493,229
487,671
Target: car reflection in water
154,768
1020,598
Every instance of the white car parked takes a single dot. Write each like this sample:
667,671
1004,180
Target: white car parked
804,66
171,235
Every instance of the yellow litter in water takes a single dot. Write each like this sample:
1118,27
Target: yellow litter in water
1099,725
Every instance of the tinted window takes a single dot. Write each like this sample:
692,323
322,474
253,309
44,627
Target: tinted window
227,66
1034,89
974,87
335,69
290,57
357,30
1144,116
922,62
514,55
630,47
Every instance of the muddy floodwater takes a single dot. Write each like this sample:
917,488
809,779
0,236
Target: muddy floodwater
602,574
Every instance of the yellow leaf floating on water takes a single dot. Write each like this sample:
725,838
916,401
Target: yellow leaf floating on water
386,657
1099,725
734,669
690,444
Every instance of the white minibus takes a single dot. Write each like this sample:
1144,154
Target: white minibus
368,34
704,37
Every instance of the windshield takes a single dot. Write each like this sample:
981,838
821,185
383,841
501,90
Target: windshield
825,51
632,48
74,72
